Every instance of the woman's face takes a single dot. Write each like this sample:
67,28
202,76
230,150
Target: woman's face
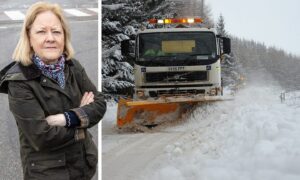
47,37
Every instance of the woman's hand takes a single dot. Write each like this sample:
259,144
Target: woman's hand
87,98
56,120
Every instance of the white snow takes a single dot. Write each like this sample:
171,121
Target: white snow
121,37
113,7
129,30
254,137
113,26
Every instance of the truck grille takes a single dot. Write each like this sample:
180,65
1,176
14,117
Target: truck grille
177,76
176,92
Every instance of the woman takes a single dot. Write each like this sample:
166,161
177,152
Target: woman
52,100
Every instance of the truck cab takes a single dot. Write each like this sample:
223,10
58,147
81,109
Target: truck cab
178,61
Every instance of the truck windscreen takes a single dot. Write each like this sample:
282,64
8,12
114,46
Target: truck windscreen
199,46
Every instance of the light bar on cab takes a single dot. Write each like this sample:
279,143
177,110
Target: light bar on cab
176,21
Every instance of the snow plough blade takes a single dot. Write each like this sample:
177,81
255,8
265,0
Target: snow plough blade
154,112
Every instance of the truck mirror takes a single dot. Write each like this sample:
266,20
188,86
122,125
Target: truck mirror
125,45
226,45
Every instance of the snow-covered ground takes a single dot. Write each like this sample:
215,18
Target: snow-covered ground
253,137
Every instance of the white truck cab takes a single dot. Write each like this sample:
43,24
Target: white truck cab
177,61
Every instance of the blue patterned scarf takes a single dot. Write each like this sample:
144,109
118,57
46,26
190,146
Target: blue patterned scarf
53,71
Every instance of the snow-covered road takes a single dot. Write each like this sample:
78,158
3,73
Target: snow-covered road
132,155
254,137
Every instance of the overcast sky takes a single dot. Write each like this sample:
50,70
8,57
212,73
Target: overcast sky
273,22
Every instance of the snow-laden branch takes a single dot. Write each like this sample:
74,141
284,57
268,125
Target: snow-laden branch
114,7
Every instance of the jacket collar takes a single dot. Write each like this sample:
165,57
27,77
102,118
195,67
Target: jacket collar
17,71
30,72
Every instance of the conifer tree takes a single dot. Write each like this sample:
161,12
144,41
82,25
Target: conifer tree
221,26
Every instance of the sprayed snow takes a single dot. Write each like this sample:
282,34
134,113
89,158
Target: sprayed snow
256,136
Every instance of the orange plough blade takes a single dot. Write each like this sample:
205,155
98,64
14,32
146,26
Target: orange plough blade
153,112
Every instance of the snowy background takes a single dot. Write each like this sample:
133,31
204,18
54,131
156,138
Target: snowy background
253,137
121,19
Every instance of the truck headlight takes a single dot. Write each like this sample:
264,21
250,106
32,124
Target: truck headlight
212,92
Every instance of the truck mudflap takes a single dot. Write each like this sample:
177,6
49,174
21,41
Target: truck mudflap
156,111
